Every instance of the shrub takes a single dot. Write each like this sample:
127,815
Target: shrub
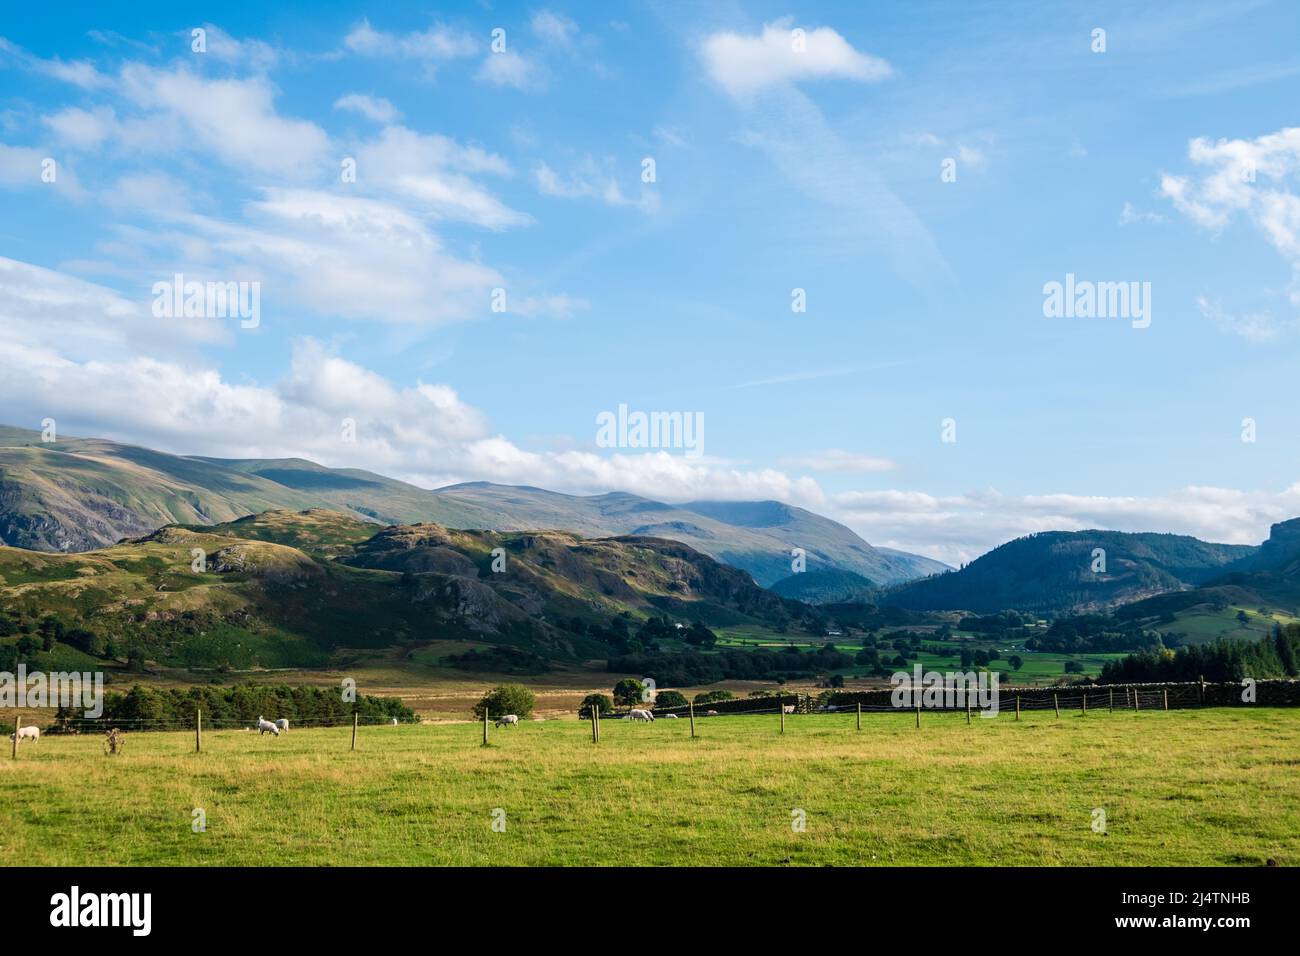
507,699
602,704
670,698
710,696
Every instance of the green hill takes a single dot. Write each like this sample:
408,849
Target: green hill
1052,573
297,589
1244,600
832,586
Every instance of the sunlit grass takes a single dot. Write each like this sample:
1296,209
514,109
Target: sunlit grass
1211,786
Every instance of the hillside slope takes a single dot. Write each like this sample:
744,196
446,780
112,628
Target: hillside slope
827,587
342,584
1267,578
1051,572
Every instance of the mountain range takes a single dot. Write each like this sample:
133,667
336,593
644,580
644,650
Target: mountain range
77,494
1059,571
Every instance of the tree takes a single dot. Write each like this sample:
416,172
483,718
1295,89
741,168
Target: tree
507,699
602,704
1073,667
670,698
1284,649
629,692
51,630
698,635
1243,618
1016,662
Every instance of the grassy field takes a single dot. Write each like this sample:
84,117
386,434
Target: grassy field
1217,787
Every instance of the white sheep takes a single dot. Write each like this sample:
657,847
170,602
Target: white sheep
282,723
670,716
787,708
27,733
640,715
394,721
266,727
509,720
712,713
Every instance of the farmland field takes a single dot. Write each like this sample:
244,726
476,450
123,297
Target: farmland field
1213,787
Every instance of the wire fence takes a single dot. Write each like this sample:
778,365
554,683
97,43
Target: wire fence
1005,702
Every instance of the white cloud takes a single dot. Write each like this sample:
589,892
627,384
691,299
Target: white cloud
83,129
41,309
435,44
1129,215
233,119
509,68
1257,327
672,137
836,459
20,165
742,64
105,367
256,55
554,28
430,170
959,528
1250,178
356,258
590,179
971,156
81,73
371,107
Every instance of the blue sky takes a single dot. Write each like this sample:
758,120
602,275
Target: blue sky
776,169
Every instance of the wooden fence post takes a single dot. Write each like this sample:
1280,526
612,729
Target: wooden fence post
355,715
780,705
598,726
485,723
918,715
968,709
1056,704
593,723
1137,705
1200,699
198,731
1112,700
859,715
1084,705
1017,706
17,723
692,703
1166,698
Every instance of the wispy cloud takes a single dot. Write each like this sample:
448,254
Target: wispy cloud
782,53
836,459
371,107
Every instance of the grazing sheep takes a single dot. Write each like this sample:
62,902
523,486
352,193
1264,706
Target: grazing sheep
266,727
282,723
712,713
640,715
394,721
670,716
509,720
787,708
27,733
